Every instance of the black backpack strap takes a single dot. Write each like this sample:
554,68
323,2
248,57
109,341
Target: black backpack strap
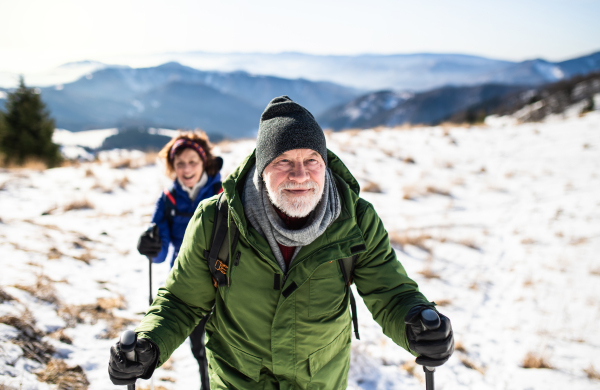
218,187
347,266
217,255
171,207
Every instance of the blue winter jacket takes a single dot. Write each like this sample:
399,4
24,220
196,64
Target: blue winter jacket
173,235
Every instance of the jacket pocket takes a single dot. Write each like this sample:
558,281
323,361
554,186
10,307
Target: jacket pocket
239,360
321,357
326,290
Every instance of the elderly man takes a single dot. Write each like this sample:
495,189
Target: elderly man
280,310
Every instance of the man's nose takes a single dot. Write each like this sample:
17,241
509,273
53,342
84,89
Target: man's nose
299,173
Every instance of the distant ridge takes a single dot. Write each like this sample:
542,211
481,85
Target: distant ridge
176,96
399,72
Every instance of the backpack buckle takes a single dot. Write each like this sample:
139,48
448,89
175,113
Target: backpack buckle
220,266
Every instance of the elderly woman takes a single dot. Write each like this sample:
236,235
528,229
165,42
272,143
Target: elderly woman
196,177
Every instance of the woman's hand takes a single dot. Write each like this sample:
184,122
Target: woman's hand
149,243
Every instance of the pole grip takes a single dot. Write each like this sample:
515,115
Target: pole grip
430,319
127,343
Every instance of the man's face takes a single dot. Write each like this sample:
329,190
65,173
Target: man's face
295,181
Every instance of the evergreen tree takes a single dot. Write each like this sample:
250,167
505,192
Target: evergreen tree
27,129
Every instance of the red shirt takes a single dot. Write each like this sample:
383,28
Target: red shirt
291,223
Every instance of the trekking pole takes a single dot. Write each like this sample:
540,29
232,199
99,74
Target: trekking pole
431,321
150,299
153,228
127,344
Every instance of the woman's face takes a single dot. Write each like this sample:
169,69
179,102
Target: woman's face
188,167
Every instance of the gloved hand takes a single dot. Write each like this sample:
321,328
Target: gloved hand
125,372
433,346
149,243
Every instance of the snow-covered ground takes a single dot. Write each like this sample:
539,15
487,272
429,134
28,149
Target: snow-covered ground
500,225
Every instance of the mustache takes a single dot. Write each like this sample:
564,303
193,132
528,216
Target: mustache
307,185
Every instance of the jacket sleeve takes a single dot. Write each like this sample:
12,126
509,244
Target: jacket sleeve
163,229
381,280
188,294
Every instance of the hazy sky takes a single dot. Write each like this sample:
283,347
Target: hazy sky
45,33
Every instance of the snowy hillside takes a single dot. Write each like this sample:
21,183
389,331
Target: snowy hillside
500,225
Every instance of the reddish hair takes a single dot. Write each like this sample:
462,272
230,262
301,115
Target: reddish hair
198,136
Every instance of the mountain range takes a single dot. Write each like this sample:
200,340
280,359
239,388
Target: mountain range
341,91
388,108
399,72
176,96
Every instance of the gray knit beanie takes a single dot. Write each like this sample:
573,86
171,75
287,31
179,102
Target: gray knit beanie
286,125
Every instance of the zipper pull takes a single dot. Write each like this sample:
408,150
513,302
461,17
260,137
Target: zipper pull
237,258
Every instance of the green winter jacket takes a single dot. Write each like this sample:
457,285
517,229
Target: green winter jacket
260,337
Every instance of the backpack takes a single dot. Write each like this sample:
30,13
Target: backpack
218,258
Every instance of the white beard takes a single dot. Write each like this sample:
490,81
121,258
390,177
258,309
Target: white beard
294,205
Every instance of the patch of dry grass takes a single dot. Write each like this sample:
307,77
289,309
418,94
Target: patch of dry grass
411,368
123,164
43,289
123,182
459,347
81,204
101,310
150,158
411,192
592,373
61,336
66,378
372,187
535,360
528,241
31,163
168,365
415,239
437,191
578,240
5,297
469,243
443,302
89,172
50,210
167,379
29,337
429,273
471,364
54,253
156,387
86,257
101,188
408,160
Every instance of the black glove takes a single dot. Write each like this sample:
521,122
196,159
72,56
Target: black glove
124,372
149,243
433,346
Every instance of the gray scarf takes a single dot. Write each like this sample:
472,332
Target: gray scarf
261,214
